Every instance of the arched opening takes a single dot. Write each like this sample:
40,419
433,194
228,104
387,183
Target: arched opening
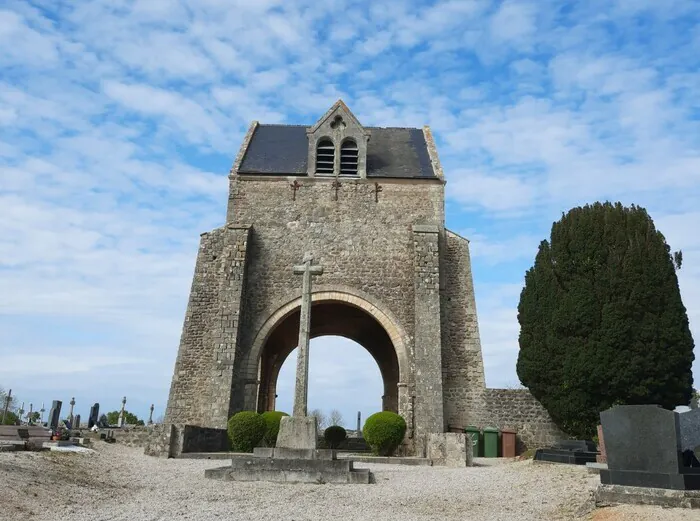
329,318
348,157
342,376
325,156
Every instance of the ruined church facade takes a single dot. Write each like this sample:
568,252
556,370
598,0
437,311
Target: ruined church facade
369,204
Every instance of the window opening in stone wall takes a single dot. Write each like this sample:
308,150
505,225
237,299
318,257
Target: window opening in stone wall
348,158
325,157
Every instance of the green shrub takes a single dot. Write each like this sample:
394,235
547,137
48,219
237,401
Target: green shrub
334,436
245,430
384,432
10,418
272,426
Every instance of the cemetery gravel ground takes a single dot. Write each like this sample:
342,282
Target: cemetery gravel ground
120,483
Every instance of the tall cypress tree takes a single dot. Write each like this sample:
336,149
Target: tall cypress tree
601,318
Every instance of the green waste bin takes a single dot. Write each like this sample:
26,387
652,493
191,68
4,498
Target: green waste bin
490,442
473,433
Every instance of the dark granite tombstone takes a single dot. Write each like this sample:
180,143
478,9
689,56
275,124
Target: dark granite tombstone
689,423
94,415
643,445
573,452
54,414
576,445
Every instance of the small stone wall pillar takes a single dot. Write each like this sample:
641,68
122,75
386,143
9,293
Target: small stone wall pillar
602,457
450,449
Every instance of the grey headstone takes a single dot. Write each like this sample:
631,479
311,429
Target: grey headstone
76,423
689,423
641,438
54,414
94,415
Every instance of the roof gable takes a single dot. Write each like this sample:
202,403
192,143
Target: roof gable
339,107
390,152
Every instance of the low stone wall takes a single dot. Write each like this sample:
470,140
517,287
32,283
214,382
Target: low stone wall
159,442
133,437
204,439
518,410
169,441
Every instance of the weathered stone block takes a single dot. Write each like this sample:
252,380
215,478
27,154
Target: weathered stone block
449,449
297,432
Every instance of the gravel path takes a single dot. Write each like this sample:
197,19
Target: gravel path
119,483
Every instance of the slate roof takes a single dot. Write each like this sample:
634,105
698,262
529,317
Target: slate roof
391,152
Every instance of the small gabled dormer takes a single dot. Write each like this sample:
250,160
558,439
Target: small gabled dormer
337,145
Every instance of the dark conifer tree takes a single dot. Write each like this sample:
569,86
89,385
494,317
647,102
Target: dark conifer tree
601,318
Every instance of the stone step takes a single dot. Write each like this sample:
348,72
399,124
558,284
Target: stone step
290,471
287,453
386,460
595,468
360,477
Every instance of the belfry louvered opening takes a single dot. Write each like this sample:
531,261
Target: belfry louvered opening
325,157
348,158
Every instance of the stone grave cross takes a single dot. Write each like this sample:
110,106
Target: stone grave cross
70,414
121,419
301,389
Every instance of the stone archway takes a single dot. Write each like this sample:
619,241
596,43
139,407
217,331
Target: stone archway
339,314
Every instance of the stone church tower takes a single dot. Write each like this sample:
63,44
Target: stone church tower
369,204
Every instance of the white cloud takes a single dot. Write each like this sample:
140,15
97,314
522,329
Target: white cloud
491,192
513,22
23,45
38,365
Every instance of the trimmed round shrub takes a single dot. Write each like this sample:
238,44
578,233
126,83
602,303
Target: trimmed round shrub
334,436
272,426
384,432
245,430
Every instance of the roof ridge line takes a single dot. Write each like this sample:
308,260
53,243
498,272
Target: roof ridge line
307,126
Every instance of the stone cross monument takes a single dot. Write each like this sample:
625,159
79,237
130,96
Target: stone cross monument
301,389
299,431
8,399
120,421
70,414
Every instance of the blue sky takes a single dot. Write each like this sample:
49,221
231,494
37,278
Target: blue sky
119,121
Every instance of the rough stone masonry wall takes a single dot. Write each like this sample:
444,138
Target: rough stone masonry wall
200,392
462,363
517,409
364,243
429,398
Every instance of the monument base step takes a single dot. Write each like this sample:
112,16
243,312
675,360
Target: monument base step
606,495
290,471
386,460
595,468
58,443
286,453
688,479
